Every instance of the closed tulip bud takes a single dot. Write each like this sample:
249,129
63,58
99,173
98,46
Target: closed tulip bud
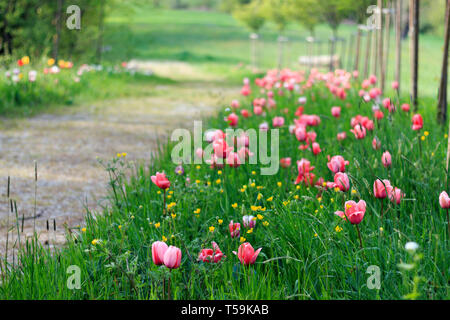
341,181
381,188
444,200
316,148
336,112
235,229
172,257
158,250
386,159
417,122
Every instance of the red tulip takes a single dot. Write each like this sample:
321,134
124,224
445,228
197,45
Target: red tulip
232,119
246,254
386,159
159,248
376,144
417,122
161,181
405,107
396,195
211,255
304,168
378,114
245,113
341,181
355,211
172,257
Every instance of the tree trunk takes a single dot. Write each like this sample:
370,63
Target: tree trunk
414,34
398,44
100,32
442,100
57,35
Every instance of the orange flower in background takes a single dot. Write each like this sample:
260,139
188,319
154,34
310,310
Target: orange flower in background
50,62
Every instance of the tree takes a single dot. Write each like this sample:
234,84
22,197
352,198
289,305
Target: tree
305,12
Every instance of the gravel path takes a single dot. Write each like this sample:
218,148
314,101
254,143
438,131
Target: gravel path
66,147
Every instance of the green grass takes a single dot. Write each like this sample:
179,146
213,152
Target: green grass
303,255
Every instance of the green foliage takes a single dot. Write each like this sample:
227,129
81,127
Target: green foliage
251,14
305,12
277,11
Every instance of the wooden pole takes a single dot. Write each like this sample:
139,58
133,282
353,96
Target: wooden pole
380,62
442,99
387,46
414,35
398,43
368,52
358,46
351,43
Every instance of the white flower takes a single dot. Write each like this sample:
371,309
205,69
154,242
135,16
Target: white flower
411,246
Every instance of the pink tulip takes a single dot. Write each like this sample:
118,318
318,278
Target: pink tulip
395,85
341,181
235,104
373,79
233,159
161,181
341,136
405,107
376,144
355,211
316,148
336,112
211,255
158,250
359,131
378,114
396,195
444,200
220,148
246,254
379,188
249,221
172,257
264,126
278,122
417,122
285,162
386,159
235,229
340,214
337,164
257,110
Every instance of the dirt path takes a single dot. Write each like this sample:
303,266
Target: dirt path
66,147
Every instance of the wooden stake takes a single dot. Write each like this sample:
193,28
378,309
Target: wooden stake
398,44
368,53
414,38
358,46
442,100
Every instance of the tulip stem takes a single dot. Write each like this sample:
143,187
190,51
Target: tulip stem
420,147
359,236
168,285
164,203
382,202
448,224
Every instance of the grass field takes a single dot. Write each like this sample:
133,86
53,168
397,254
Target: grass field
308,252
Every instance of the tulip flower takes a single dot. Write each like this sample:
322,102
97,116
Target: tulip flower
159,248
316,148
172,257
341,181
444,202
380,190
245,113
405,107
249,221
235,229
232,119
220,148
354,212
386,159
211,255
233,159
417,122
396,195
359,131
163,183
285,162
376,144
341,136
278,122
246,254
395,85
304,168
337,164
336,112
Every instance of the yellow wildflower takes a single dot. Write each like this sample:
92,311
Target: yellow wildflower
220,221
338,229
211,229
157,225
94,242
270,199
83,230
234,205
242,239
265,223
